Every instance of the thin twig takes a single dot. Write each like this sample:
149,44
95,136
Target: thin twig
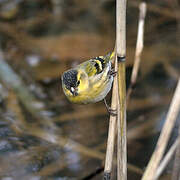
139,48
121,117
166,159
159,10
176,167
111,133
164,136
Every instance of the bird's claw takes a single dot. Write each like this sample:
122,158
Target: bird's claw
113,72
112,112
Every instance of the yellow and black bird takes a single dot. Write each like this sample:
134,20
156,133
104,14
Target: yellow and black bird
90,81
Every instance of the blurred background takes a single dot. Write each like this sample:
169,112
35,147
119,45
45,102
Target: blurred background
45,137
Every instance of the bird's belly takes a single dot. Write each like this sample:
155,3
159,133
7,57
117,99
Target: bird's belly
102,94
94,94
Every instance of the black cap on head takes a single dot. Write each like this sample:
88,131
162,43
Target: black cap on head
69,78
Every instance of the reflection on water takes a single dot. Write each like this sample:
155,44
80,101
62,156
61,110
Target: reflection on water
42,135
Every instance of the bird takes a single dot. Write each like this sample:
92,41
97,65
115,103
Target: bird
90,81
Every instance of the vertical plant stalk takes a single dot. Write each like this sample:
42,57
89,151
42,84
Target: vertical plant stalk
121,110
151,169
112,131
121,125
139,48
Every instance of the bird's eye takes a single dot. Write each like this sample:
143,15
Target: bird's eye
78,82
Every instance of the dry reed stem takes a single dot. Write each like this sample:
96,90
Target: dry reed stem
159,10
112,132
139,48
121,110
176,167
166,159
164,136
121,125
